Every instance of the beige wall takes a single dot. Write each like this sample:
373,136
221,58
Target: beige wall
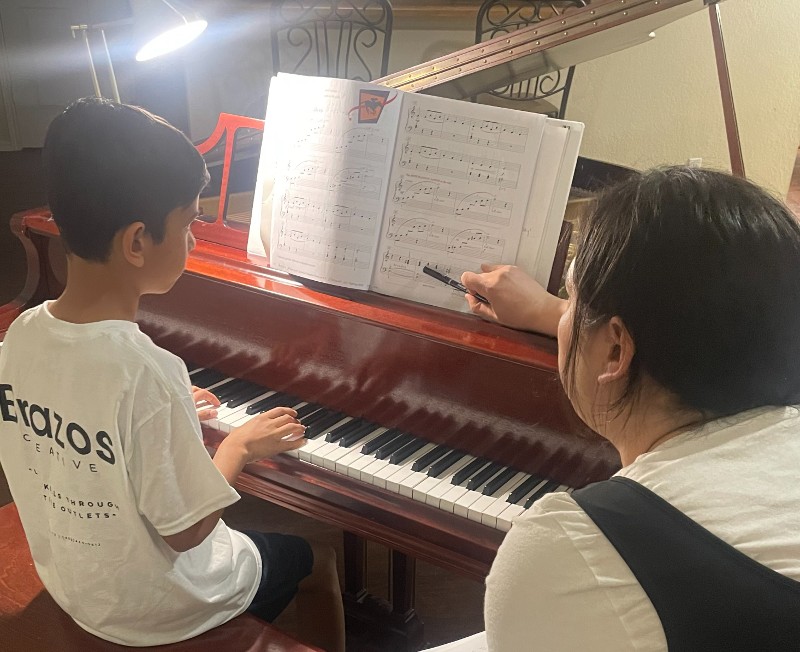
659,103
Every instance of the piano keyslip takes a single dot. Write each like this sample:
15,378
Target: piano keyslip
454,481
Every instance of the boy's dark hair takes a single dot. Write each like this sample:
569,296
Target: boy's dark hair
704,270
108,165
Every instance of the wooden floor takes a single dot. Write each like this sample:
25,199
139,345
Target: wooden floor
450,606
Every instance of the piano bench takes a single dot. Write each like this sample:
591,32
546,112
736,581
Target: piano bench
31,621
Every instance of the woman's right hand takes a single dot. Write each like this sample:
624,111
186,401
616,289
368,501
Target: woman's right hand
515,299
269,433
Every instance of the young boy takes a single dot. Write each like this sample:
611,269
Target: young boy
99,435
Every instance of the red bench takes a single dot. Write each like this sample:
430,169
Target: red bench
30,621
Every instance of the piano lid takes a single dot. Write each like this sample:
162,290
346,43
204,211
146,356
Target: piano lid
580,34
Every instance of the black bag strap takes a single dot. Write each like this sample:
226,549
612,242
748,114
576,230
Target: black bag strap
708,595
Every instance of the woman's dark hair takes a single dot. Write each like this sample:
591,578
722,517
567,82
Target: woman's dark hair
108,165
703,268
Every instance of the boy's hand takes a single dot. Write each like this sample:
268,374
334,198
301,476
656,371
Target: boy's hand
205,402
267,434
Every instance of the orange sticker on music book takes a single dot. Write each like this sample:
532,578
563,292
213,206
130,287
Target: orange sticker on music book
370,105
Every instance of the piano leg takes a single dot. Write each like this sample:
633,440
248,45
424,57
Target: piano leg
375,623
402,587
355,567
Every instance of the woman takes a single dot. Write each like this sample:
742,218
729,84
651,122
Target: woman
680,344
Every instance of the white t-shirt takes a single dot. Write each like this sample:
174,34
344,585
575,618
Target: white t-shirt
558,584
101,445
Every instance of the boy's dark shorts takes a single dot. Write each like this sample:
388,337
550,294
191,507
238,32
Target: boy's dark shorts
285,561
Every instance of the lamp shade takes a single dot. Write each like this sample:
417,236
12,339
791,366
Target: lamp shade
181,28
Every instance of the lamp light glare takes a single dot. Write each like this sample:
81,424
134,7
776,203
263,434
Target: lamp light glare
171,40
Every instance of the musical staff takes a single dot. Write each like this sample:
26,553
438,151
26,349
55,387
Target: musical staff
461,129
476,169
340,217
359,142
423,233
324,250
474,206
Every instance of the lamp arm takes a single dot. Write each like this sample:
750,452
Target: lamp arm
182,17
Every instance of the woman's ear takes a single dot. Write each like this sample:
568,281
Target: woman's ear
134,240
620,350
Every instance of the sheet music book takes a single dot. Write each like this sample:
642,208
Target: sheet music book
360,186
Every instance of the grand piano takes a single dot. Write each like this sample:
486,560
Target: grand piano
402,399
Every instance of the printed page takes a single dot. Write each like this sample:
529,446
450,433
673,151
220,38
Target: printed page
461,179
259,235
549,194
475,643
331,176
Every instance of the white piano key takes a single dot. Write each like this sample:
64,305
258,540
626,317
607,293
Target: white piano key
368,472
331,458
381,476
224,413
448,501
354,452
462,505
436,493
408,483
431,489
477,509
507,516
491,512
355,468
394,481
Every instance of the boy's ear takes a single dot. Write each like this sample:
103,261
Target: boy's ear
619,352
134,241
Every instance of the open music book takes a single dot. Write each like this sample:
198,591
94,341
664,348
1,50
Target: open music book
360,186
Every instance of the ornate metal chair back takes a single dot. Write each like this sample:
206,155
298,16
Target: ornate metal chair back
549,92
349,39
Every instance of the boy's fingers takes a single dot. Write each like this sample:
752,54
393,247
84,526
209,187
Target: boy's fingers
206,414
280,411
199,394
489,267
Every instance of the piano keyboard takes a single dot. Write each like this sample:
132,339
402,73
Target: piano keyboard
448,479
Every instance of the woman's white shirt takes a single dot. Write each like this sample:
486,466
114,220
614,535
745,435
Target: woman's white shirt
558,584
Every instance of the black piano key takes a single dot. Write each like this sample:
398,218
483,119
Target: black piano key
396,444
321,426
402,454
246,395
191,367
350,437
374,444
207,377
430,457
484,475
307,409
278,399
523,489
460,476
546,488
322,413
498,481
346,428
228,389
441,465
